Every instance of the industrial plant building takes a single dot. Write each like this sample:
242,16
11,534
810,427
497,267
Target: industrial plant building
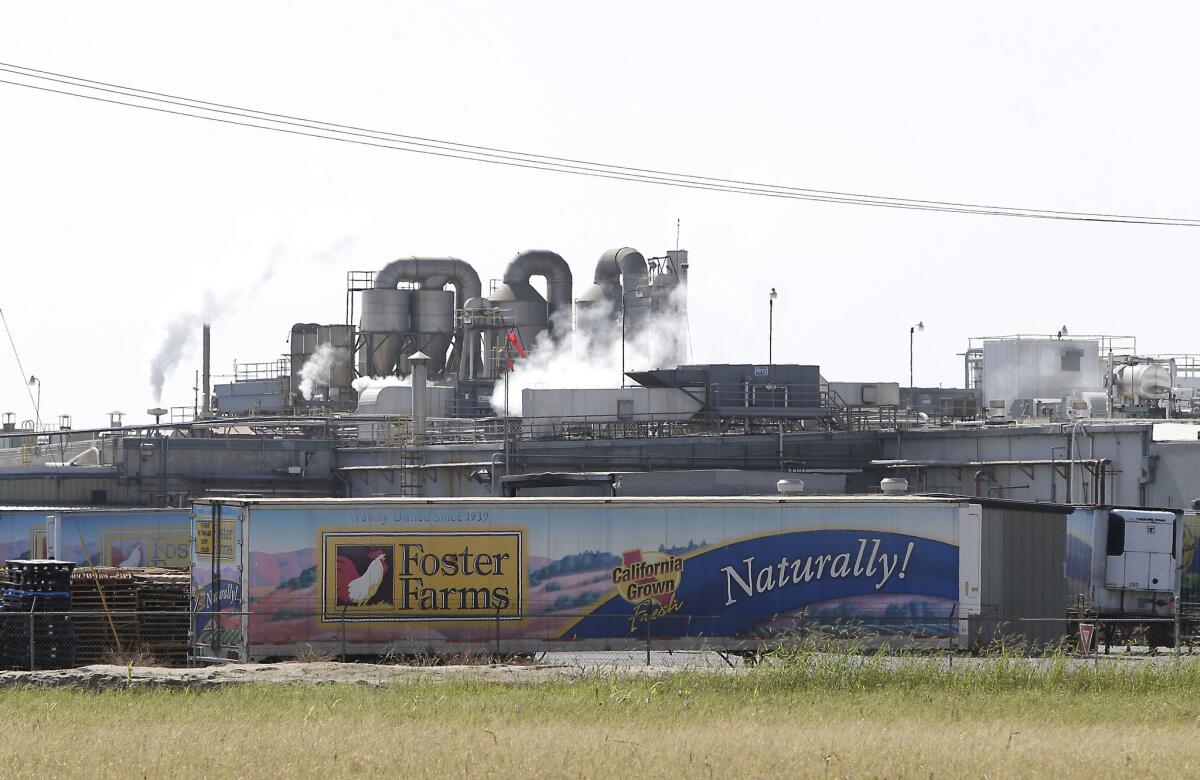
417,394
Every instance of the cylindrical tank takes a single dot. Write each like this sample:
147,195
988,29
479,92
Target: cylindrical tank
386,317
433,322
475,321
594,307
1145,381
523,309
385,311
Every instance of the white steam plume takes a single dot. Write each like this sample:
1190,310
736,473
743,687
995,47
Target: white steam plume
372,382
179,334
590,355
317,370
185,327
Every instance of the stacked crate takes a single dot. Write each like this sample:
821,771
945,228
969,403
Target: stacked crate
164,601
105,602
143,617
37,631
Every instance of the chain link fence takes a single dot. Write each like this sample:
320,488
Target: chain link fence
50,638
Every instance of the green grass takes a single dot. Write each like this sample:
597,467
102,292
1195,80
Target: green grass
808,715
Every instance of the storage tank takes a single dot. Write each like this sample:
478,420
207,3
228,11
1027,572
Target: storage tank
433,324
430,324
1146,381
594,306
386,317
523,309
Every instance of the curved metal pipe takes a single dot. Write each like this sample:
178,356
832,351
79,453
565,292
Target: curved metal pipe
542,262
419,269
626,263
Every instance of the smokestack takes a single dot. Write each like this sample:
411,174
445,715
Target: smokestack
206,367
420,374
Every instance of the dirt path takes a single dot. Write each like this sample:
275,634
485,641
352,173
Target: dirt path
318,673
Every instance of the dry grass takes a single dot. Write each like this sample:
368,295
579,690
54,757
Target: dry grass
790,720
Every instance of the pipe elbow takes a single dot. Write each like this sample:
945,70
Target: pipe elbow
542,262
431,273
623,262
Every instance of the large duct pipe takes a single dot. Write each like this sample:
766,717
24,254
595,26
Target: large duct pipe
626,263
423,269
541,262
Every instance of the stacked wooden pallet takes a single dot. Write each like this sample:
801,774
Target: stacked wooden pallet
143,615
164,602
104,600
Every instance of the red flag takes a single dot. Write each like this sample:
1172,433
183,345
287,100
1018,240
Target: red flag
512,339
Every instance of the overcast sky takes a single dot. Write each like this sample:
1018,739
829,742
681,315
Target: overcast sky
113,221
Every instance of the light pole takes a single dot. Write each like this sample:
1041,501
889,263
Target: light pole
771,328
37,407
911,333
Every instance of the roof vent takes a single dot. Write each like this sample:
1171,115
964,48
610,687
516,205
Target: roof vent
893,486
790,487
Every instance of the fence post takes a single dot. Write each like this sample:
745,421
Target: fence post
343,631
32,606
648,642
950,638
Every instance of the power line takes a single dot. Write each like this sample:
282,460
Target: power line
24,376
292,125
132,91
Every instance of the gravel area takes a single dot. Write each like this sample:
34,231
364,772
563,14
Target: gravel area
550,667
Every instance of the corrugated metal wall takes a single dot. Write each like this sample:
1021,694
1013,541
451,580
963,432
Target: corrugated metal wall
55,491
1023,574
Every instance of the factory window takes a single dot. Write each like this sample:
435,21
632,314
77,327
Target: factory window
1071,358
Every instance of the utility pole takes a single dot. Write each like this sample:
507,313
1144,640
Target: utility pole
771,328
911,333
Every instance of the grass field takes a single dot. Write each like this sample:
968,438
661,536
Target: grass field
819,717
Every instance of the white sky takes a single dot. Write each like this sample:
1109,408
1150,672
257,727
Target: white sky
112,220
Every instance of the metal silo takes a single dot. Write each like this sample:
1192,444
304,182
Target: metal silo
433,325
386,321
430,327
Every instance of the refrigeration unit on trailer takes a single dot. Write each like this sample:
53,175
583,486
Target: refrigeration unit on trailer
1125,563
274,577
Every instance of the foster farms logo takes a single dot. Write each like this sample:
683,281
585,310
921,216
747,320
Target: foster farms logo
649,580
422,576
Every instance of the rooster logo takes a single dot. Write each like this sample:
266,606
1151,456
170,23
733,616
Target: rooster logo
362,576
133,560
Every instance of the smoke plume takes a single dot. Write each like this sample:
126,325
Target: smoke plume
372,382
317,370
183,329
589,356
